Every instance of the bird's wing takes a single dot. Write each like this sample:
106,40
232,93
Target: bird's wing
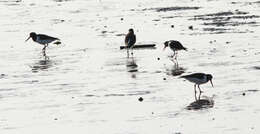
127,38
177,45
197,75
134,39
46,37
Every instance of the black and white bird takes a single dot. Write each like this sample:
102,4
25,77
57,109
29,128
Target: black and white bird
43,40
198,79
175,46
130,39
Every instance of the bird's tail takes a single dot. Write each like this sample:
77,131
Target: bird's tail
57,42
184,48
183,76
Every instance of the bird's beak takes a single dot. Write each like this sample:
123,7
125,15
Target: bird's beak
28,38
211,83
164,48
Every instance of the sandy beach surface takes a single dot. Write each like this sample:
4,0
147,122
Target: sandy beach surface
87,85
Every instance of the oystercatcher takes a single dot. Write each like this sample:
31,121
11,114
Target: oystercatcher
130,40
174,46
198,78
43,40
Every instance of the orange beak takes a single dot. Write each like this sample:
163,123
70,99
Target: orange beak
28,38
164,48
211,83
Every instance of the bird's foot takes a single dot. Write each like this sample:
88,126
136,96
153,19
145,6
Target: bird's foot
46,57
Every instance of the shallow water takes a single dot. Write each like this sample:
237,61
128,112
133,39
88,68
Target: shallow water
88,85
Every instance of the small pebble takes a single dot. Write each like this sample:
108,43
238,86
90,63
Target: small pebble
158,58
164,78
191,27
122,19
55,119
172,26
244,94
140,99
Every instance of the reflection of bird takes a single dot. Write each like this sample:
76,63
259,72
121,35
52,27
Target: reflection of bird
131,66
198,78
174,46
43,40
130,39
41,65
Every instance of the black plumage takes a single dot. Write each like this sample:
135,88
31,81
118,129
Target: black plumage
130,39
43,40
174,45
46,37
198,79
195,75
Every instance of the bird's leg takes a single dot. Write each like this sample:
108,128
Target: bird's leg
44,54
46,57
176,55
199,95
173,54
43,50
176,64
127,52
200,89
132,53
195,92
172,57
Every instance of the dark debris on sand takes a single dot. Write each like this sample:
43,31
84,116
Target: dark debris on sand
141,99
166,9
224,18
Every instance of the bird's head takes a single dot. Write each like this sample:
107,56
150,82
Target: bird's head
209,78
166,44
131,30
32,35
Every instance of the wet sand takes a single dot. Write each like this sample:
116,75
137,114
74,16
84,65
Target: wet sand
88,85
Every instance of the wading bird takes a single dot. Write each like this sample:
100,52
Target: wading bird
198,79
43,40
175,46
130,40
